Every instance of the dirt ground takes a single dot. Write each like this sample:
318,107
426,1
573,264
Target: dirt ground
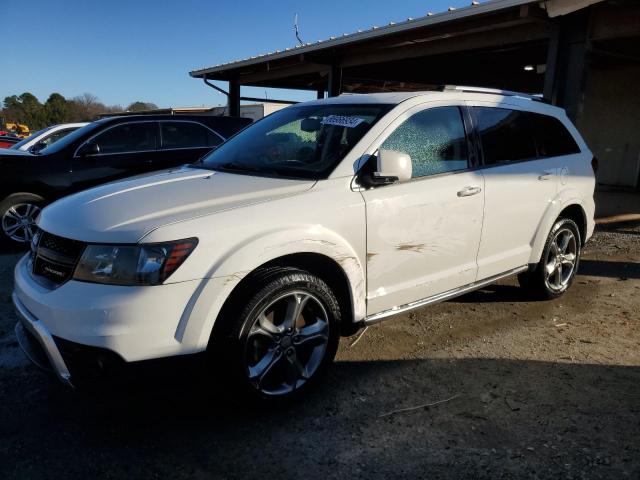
527,390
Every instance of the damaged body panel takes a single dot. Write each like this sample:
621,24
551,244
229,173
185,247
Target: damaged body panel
425,238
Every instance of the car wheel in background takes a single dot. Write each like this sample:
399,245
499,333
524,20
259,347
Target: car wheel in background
18,214
557,268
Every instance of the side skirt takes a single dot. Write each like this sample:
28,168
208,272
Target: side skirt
440,297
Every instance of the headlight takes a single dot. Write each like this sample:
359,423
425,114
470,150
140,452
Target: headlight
34,241
149,264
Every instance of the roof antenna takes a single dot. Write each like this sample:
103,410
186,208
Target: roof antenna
296,29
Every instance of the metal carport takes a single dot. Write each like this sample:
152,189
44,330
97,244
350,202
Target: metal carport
580,54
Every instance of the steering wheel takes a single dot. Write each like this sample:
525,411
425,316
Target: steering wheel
296,161
275,152
271,155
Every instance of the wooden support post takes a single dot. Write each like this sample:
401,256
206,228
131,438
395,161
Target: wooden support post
234,99
565,78
335,81
550,73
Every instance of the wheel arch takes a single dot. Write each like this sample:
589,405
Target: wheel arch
573,209
325,254
18,194
320,265
576,213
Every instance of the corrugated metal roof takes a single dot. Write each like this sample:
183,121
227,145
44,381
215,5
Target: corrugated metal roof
451,14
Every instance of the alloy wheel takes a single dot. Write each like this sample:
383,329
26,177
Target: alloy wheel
19,222
560,263
286,343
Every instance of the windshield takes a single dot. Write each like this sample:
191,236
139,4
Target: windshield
304,142
29,138
70,138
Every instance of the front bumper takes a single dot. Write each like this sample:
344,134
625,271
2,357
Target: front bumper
71,362
38,344
134,323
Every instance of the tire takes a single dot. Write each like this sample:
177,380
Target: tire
18,213
261,347
560,260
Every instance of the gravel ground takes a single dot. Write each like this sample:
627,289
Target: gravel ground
527,389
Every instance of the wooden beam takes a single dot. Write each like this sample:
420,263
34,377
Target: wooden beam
478,39
617,55
610,21
275,72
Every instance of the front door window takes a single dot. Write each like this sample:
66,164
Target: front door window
434,139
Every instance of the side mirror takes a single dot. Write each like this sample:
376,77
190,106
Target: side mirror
89,149
389,166
392,163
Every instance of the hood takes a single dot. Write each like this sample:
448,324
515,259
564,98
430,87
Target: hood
7,152
125,211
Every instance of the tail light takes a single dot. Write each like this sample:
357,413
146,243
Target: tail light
594,164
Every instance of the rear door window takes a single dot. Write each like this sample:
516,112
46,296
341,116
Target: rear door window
434,139
187,135
128,138
552,137
505,134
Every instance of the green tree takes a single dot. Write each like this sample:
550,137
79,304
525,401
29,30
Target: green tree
12,111
56,109
34,115
140,106
25,108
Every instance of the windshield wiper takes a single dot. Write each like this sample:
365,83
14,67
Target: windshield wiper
238,167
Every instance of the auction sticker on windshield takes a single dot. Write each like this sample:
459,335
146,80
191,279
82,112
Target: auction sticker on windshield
342,121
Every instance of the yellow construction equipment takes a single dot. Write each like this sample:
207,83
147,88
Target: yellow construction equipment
18,128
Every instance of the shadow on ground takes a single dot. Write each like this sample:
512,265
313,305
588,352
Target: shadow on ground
13,249
495,293
512,419
611,269
512,293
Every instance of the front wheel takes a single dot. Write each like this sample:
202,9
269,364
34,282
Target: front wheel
283,339
558,266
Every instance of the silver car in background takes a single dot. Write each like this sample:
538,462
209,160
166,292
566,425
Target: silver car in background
45,137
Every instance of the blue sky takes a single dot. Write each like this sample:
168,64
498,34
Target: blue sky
122,51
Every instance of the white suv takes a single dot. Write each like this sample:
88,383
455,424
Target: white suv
320,219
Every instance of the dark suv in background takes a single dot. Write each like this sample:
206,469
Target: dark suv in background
102,151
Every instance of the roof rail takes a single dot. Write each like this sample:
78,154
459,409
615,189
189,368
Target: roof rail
494,91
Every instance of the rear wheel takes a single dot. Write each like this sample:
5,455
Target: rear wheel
557,268
18,214
283,339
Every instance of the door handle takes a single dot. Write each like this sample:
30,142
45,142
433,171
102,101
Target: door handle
468,191
546,175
